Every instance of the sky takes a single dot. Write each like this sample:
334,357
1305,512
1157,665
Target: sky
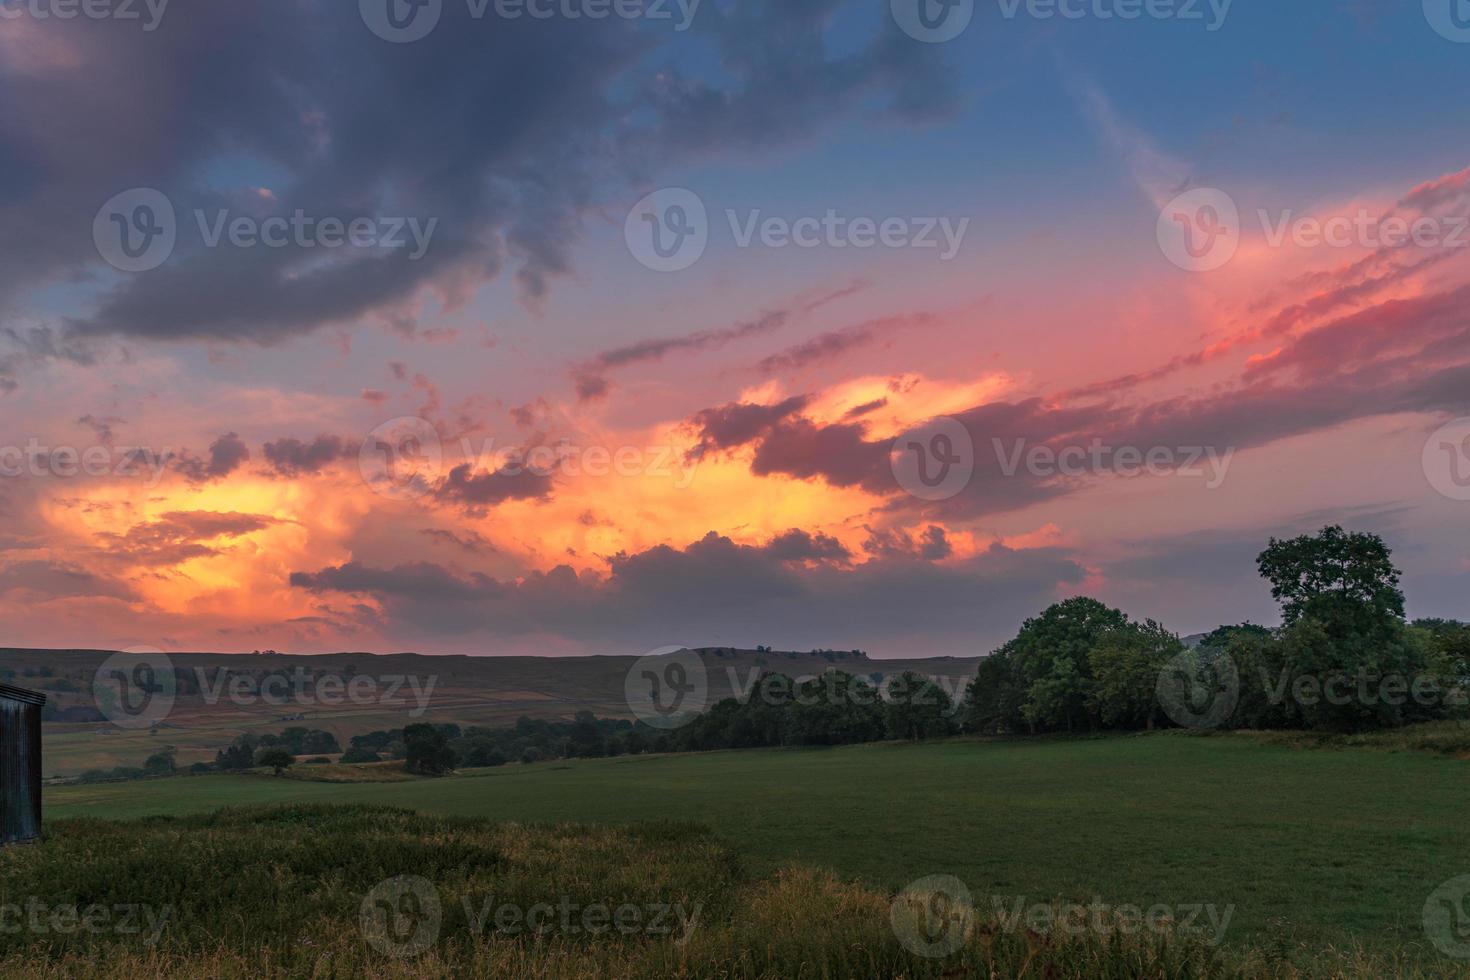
594,327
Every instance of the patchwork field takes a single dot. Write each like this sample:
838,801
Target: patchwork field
1311,847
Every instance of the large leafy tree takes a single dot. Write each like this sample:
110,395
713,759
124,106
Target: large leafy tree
1125,668
1339,578
1051,658
1344,635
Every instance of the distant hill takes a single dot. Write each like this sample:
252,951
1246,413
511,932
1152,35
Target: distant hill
273,691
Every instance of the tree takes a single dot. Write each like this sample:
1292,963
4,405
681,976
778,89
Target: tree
996,696
1051,657
161,762
277,758
1125,668
586,739
917,708
427,751
239,754
358,754
1345,635
1338,578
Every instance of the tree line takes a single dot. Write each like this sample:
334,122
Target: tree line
1344,659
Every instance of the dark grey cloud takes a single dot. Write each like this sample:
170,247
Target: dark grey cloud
477,491
719,592
799,545
58,580
292,457
180,536
738,423
508,132
226,454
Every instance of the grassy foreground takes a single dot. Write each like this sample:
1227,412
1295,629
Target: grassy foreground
1312,848
299,891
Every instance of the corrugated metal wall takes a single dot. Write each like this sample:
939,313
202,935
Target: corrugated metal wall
20,770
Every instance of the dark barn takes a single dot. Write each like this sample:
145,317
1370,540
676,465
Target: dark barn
20,764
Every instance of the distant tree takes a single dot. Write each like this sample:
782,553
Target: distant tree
357,754
277,759
427,751
239,754
161,762
586,740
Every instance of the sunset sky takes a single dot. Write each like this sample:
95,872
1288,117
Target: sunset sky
716,443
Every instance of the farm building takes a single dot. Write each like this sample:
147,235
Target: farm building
20,764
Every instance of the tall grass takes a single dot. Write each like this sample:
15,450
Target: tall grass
279,892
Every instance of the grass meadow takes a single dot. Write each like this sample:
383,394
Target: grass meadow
348,891
1313,848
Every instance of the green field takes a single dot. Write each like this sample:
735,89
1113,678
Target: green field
1312,847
